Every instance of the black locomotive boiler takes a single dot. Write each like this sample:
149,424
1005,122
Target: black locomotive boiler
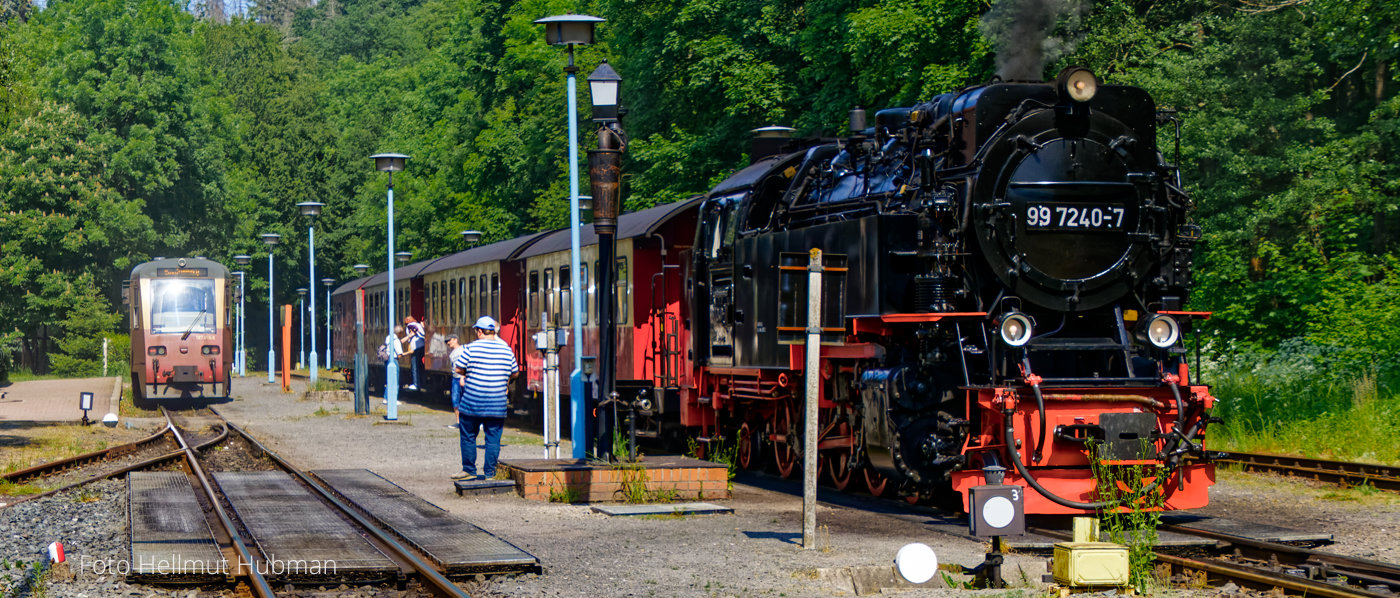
1006,270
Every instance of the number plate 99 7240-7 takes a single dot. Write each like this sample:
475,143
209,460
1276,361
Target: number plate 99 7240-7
1069,216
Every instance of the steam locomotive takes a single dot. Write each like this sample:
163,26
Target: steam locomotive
1003,275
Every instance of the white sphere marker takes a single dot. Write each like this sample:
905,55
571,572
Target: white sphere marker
916,562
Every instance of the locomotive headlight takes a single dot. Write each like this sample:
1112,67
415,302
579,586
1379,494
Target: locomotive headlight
1078,83
1162,331
1015,328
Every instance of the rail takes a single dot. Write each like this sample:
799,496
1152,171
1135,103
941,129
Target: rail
431,579
1338,472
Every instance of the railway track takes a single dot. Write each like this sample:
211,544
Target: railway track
86,468
1338,472
251,553
1270,566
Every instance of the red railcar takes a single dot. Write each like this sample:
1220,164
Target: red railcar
181,334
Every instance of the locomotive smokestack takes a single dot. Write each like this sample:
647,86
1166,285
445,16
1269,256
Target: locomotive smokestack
769,141
1021,31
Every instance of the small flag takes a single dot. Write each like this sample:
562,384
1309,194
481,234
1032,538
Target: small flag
56,552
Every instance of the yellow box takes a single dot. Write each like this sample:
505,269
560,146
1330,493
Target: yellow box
1091,564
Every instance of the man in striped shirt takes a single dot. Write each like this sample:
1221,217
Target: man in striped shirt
487,366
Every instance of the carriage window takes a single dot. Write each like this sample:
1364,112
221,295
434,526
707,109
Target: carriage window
182,305
534,306
471,303
495,293
566,306
462,302
484,306
452,301
551,302
623,291
586,284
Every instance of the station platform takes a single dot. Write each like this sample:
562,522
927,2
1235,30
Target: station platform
57,400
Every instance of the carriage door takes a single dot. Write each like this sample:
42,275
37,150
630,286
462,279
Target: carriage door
717,244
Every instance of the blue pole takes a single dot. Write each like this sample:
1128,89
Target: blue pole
328,329
271,343
239,353
301,332
391,373
576,403
311,290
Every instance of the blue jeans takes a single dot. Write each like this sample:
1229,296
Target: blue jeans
417,367
455,391
467,426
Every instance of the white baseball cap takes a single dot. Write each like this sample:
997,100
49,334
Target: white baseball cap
485,323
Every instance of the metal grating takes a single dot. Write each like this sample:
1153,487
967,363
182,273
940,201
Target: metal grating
455,545
300,536
170,539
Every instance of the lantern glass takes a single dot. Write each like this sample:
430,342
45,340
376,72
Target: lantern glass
271,238
361,268
389,162
310,208
565,30
242,260
471,236
328,281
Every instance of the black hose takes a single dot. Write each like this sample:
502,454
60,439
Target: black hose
1040,404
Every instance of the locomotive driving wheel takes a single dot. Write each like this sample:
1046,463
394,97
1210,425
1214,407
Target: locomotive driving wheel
876,482
837,462
787,452
750,449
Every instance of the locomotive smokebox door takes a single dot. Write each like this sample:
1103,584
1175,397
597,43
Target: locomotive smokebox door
996,510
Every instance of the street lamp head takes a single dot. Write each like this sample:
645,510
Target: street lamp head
403,256
302,291
585,203
271,238
311,208
328,282
361,269
472,237
389,162
242,260
569,29
603,84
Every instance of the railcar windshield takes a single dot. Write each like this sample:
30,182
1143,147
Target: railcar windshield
180,305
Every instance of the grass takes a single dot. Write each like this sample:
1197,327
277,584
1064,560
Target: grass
125,408
1286,403
32,445
27,375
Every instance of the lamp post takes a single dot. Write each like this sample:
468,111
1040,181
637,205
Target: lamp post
570,30
240,355
361,363
391,163
301,327
272,239
604,173
326,282
312,209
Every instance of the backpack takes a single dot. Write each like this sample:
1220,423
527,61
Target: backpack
384,352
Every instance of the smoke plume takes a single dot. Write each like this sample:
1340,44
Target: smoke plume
1028,34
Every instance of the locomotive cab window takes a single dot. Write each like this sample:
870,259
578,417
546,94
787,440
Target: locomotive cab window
180,305
624,291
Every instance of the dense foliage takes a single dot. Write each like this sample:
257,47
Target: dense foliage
130,128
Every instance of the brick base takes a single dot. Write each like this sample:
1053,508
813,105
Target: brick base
584,481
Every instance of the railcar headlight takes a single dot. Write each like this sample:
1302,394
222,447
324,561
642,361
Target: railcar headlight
1078,83
156,350
1162,331
210,350
1015,328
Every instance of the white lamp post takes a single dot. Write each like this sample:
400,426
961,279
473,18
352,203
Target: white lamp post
301,327
570,30
391,163
327,282
271,239
312,209
240,354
